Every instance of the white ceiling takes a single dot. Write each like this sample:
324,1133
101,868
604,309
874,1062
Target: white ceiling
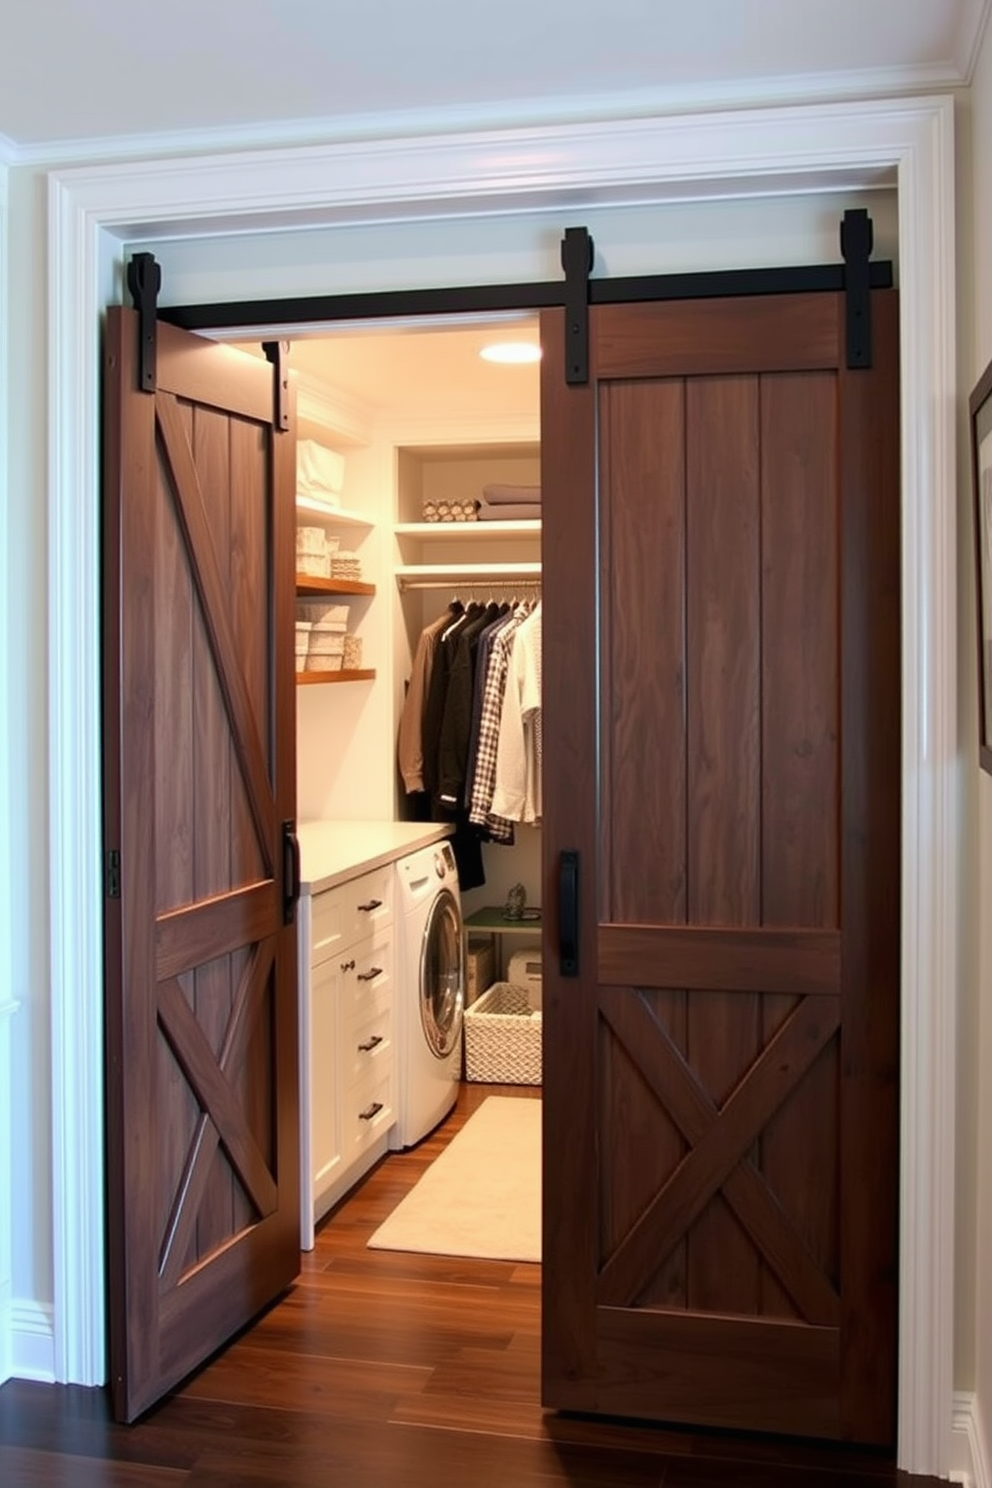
251,70
411,373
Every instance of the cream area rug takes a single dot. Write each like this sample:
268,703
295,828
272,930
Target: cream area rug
482,1195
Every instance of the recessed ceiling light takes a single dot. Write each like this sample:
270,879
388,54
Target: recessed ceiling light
511,351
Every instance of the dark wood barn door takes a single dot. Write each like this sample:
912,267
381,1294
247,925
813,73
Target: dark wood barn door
722,750
200,785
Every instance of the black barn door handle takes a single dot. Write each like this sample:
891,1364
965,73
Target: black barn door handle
568,914
290,871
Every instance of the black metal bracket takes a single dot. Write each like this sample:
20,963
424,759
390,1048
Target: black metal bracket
278,354
144,280
856,239
577,253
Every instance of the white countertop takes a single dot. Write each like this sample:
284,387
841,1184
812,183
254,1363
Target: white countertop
331,852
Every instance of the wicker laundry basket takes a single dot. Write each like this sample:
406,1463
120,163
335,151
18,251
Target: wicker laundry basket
503,1037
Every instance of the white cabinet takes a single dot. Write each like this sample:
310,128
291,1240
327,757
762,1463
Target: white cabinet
346,1037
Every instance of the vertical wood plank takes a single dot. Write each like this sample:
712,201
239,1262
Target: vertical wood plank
249,579
723,665
249,589
278,1100
643,752
569,1220
175,624
642,582
800,772
214,765
871,751
133,1194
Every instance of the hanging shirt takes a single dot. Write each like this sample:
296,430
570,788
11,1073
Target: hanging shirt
517,786
410,746
484,779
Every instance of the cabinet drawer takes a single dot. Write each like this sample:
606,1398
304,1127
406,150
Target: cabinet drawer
366,975
368,901
350,910
367,1042
368,1112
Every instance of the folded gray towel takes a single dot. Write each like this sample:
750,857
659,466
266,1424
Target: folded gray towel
521,512
505,495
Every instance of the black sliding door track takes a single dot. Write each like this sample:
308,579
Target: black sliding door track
492,298
855,278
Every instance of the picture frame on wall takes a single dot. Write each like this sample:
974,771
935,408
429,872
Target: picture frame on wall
980,415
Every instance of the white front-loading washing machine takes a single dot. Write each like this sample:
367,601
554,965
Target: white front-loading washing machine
430,992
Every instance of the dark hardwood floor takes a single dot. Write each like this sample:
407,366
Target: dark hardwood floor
388,1370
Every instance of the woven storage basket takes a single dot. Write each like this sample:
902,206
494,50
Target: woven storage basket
503,1037
325,642
319,613
312,541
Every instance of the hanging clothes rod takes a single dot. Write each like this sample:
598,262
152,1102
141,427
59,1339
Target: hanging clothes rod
447,575
504,584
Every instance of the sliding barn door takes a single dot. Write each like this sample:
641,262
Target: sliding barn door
722,753
200,785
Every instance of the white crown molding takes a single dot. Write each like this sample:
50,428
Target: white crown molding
749,153
970,1460
342,415
970,36
796,89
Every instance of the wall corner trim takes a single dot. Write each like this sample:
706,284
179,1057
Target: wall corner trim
970,1460
755,152
32,1341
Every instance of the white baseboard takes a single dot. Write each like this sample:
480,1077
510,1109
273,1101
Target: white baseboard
32,1341
969,1454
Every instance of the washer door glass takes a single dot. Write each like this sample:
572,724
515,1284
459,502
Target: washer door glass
442,993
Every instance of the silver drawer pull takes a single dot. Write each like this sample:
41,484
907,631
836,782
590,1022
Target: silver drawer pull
370,1112
370,1044
370,975
371,905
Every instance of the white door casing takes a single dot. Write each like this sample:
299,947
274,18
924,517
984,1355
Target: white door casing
92,210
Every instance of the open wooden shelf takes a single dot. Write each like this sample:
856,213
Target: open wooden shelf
309,679
312,509
312,584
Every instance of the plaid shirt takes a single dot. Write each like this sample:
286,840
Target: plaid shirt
484,781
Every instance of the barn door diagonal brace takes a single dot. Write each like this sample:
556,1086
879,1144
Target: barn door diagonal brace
144,280
577,254
277,353
856,238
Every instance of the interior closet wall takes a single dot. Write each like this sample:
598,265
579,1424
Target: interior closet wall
344,753
460,471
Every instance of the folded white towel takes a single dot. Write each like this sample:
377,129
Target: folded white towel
319,471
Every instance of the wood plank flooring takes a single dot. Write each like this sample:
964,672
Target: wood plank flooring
388,1370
